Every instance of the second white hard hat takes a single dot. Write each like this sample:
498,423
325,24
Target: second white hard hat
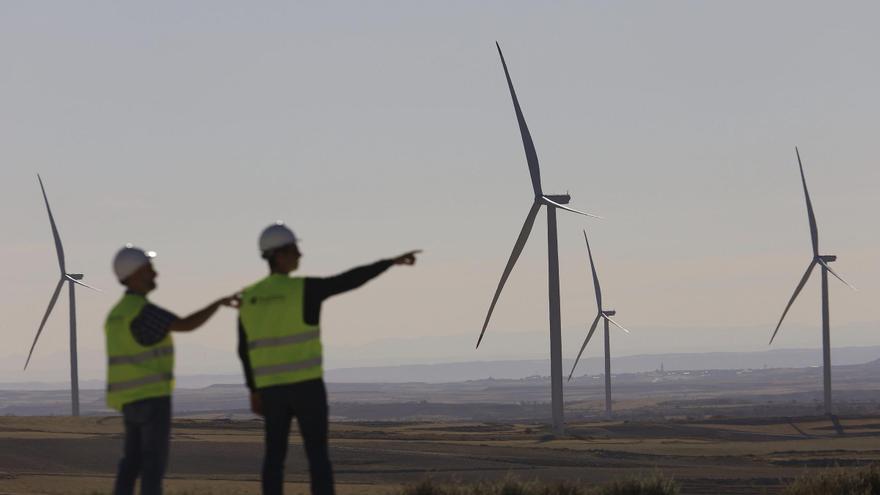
129,259
275,236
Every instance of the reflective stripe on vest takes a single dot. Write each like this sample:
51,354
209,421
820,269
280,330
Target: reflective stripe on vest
137,382
279,341
134,371
142,357
282,347
284,368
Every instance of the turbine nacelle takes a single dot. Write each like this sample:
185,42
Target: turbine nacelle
559,201
827,258
562,199
609,312
75,278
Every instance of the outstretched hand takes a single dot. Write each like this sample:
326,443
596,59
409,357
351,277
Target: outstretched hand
232,301
406,258
197,319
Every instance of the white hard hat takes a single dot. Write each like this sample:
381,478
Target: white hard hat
129,259
275,236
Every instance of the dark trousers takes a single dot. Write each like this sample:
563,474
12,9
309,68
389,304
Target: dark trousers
307,401
147,434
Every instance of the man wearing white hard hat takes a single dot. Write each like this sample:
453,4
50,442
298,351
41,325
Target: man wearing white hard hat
140,369
280,350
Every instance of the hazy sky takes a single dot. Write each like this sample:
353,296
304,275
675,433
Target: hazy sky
377,127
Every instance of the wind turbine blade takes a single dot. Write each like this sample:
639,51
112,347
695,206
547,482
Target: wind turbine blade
836,275
797,291
517,249
618,325
531,154
58,248
595,277
587,340
550,202
77,282
45,317
814,230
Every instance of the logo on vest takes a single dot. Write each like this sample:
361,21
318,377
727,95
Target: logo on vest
266,299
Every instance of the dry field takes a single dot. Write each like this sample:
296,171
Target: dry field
55,455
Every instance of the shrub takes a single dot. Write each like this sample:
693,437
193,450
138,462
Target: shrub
509,486
864,481
654,484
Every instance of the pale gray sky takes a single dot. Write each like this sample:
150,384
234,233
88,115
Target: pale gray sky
376,127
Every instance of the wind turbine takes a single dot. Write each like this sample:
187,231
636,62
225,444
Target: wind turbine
72,279
552,202
823,260
606,315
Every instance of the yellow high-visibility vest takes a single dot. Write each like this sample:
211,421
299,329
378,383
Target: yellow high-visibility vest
282,347
134,371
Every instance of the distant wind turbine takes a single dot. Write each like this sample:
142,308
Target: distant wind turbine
552,202
606,315
72,279
823,260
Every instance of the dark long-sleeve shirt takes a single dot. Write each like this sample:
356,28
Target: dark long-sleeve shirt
315,292
152,324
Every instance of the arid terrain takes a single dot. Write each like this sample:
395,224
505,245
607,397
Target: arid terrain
57,455
645,396
715,431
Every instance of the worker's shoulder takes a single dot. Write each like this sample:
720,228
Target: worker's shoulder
127,307
275,281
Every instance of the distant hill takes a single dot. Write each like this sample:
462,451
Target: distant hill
652,394
516,369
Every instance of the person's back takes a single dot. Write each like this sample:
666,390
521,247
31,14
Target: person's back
283,347
136,370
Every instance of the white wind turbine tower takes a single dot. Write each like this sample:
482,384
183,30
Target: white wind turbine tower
72,280
823,260
552,202
606,315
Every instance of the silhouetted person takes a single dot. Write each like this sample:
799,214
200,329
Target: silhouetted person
280,351
140,370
